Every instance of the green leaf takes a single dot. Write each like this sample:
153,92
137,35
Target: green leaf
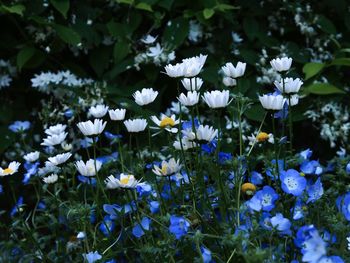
323,89
120,51
67,34
176,32
251,27
208,13
224,7
62,6
311,69
326,25
255,112
99,59
24,56
129,2
341,62
15,9
144,6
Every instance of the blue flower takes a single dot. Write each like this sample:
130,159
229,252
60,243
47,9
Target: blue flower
154,207
297,210
17,207
281,223
107,225
271,170
303,234
111,136
292,182
347,169
313,248
331,259
210,147
343,204
256,178
315,191
19,126
306,154
87,142
92,257
206,254
224,157
115,210
263,199
69,113
108,158
87,180
139,229
178,226
187,125
32,169
311,167
144,189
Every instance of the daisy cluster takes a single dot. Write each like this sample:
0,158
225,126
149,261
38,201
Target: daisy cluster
184,185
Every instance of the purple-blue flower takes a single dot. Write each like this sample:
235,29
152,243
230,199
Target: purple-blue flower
311,167
256,178
292,182
154,207
306,154
107,225
139,229
178,226
206,254
263,199
92,257
315,191
281,224
19,126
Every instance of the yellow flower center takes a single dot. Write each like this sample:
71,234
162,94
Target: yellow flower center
8,171
167,121
125,180
164,169
248,188
262,136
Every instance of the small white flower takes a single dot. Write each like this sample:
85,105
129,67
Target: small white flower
203,133
190,99
193,66
166,122
32,156
206,133
98,111
186,144
89,128
146,96
136,125
192,84
294,100
117,115
54,139
290,85
229,82
66,146
149,39
281,64
216,98
11,169
167,168
348,239
88,168
56,129
59,158
124,181
272,102
175,71
155,51
81,235
234,72
50,179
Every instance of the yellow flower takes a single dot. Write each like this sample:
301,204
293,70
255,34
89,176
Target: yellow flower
248,188
262,137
